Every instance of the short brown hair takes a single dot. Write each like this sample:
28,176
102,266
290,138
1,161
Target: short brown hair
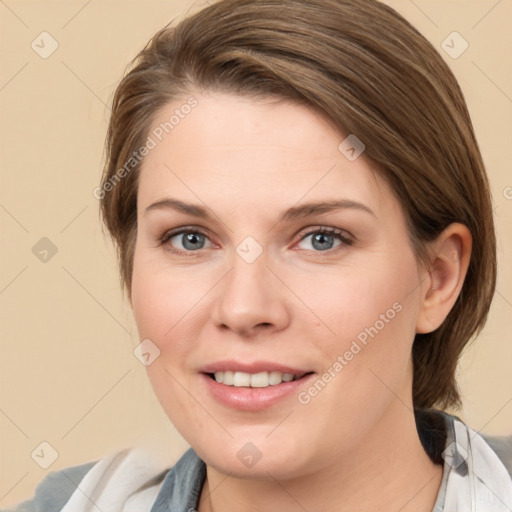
366,69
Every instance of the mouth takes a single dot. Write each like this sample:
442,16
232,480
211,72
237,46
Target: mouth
253,386
262,379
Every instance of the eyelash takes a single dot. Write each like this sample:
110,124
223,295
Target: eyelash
338,234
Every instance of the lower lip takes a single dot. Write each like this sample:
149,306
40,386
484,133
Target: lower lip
253,399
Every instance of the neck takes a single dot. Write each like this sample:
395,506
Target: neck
390,471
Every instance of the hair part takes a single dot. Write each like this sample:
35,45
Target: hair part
369,72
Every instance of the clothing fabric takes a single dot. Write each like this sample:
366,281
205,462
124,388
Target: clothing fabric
477,476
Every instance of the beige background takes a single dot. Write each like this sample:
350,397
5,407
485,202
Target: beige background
68,375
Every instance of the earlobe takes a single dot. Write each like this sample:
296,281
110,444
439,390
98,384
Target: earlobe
450,261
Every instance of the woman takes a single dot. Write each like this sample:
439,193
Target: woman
305,235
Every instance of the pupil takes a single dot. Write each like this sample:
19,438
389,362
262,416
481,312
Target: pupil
323,242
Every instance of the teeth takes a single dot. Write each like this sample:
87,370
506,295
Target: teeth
241,379
253,380
227,378
275,378
259,380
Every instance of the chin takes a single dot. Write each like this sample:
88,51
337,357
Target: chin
263,469
260,459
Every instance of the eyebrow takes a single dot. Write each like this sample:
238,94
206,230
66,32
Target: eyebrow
293,213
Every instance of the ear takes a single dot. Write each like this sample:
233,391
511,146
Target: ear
443,280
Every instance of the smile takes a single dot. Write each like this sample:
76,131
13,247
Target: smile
254,380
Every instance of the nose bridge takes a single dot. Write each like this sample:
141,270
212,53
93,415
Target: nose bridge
249,297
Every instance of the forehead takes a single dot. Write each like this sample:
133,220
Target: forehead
244,149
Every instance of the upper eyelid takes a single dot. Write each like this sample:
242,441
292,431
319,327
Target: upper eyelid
306,231
185,229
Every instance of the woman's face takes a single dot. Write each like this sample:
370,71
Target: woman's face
264,249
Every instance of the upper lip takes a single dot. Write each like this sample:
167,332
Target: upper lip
252,367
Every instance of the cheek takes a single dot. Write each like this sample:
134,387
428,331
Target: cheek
163,297
163,309
366,350
169,308
366,363
362,301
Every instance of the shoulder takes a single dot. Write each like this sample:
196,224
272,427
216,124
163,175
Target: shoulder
502,447
55,489
137,476
436,431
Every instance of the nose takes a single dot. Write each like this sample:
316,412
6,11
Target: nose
251,300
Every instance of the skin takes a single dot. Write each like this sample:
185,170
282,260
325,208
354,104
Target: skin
354,446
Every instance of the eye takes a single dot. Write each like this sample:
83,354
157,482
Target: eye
325,239
185,240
